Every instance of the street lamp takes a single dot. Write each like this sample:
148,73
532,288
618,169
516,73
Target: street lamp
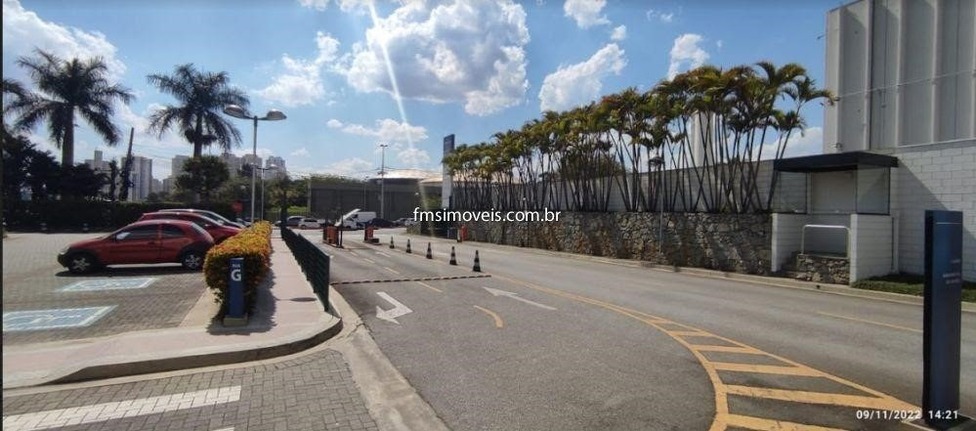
263,170
239,112
382,177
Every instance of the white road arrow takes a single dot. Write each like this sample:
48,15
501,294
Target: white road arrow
515,296
391,314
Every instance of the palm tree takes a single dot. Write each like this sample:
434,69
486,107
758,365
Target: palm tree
66,86
202,96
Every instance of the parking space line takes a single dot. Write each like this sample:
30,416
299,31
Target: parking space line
498,320
766,369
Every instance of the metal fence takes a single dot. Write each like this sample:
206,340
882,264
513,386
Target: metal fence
314,263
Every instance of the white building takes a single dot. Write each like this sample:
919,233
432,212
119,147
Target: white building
904,72
140,178
278,165
233,163
176,165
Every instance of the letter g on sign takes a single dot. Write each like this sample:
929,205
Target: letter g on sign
235,274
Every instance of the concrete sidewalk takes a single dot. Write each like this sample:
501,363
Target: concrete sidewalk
288,318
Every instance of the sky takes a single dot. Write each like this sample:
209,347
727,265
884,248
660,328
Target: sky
354,74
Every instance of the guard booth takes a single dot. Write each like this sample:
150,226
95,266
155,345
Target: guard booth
832,219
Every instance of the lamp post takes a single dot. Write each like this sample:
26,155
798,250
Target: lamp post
239,112
382,178
263,170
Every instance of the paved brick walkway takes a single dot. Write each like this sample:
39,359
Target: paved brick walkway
314,391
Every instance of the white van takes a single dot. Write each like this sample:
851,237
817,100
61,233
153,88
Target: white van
355,219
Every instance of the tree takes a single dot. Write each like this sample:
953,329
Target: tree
203,175
202,97
67,86
80,182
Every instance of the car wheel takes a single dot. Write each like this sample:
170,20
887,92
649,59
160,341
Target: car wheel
81,263
192,260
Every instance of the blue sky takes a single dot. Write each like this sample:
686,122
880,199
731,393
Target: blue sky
467,67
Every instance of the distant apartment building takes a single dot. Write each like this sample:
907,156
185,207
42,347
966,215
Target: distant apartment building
101,166
177,165
140,178
233,163
277,166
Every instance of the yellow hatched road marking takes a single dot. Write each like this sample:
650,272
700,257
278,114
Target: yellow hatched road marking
727,349
723,418
766,369
819,398
769,424
498,320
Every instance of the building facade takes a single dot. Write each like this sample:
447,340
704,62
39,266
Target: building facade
904,73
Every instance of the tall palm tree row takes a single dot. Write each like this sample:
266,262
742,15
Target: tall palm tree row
202,97
64,88
691,143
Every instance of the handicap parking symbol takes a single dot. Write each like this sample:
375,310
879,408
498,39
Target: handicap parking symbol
34,320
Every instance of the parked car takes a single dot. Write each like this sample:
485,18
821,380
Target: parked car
380,223
208,213
405,221
309,223
218,231
142,242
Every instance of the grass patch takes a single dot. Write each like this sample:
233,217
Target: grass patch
909,284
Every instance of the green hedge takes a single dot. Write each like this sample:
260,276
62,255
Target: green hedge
254,245
27,216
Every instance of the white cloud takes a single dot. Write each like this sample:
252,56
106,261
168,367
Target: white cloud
301,83
413,157
719,44
686,54
807,143
345,5
23,31
586,12
619,33
580,83
463,52
334,124
388,130
301,152
666,18
354,167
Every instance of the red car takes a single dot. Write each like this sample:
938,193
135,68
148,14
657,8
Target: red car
219,231
151,241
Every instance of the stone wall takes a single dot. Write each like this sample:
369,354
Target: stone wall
823,269
727,242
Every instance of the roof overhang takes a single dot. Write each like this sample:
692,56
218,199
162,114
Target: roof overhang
847,161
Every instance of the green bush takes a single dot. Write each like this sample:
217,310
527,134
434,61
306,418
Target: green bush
254,245
909,284
73,215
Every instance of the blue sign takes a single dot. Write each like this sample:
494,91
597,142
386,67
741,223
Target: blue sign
108,284
34,320
235,291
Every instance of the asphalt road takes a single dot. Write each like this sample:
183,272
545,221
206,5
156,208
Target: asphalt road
551,341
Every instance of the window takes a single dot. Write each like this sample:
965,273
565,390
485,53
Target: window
170,231
138,233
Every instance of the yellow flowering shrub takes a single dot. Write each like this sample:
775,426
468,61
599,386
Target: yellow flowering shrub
254,245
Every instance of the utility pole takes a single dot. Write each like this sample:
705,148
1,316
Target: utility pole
127,168
382,178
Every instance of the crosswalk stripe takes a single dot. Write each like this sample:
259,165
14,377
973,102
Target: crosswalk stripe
120,409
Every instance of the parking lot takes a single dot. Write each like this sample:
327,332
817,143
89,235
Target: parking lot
43,302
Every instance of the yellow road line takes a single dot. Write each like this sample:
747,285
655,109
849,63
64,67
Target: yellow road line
430,287
391,270
769,424
689,334
727,349
722,414
766,369
498,320
887,325
815,397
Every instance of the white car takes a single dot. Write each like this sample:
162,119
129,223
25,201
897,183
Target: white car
309,223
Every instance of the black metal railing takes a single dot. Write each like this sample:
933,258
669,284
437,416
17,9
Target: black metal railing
314,263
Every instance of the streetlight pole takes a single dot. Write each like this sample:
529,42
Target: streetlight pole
239,112
382,178
263,171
